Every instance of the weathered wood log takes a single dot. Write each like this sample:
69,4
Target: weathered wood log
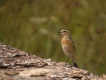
19,65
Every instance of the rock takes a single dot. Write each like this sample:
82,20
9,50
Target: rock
19,65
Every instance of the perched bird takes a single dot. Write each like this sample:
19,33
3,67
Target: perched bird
68,46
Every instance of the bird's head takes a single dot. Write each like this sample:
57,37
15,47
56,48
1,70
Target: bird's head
64,32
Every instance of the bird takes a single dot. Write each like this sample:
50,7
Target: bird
68,46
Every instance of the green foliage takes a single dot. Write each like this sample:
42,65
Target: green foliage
33,25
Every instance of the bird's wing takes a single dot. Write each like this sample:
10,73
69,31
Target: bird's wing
72,42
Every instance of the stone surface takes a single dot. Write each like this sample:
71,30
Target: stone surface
19,65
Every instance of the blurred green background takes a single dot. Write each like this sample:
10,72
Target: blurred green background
33,25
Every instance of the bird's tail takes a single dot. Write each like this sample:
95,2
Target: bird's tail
74,63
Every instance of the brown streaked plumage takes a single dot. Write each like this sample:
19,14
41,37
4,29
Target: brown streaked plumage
68,46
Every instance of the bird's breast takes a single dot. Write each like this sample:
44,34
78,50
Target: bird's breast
64,46
65,42
67,47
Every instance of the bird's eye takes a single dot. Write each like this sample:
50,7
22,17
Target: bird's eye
64,31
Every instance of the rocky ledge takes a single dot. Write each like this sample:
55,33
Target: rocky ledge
19,65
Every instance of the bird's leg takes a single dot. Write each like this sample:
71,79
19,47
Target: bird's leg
67,60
